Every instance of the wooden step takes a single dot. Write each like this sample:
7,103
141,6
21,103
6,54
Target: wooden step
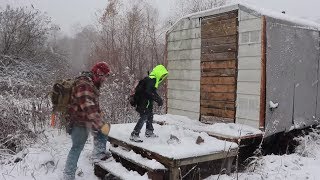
113,170
148,164
136,162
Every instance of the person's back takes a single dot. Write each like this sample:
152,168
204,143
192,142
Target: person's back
145,99
84,115
84,90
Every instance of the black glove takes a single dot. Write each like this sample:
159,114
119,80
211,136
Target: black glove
160,102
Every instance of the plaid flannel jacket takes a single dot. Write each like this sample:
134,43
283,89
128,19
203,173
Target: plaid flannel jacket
84,107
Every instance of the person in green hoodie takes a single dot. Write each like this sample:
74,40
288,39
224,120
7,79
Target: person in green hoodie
146,93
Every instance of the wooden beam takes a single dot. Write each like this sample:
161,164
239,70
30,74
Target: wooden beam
210,157
263,76
168,162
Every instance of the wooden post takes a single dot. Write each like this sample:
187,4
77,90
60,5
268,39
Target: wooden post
174,173
229,165
263,76
166,65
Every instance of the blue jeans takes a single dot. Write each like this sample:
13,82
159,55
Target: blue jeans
79,136
144,117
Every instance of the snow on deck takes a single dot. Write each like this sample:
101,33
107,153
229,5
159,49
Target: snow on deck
225,129
185,149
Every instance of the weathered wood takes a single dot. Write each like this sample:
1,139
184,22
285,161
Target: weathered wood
219,48
218,88
214,119
174,173
230,64
219,40
218,56
218,96
217,155
217,112
219,73
263,76
217,80
144,153
219,17
128,158
219,28
218,104
174,164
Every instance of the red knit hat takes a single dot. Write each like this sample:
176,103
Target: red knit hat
102,66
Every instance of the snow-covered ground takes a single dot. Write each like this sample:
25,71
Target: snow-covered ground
46,158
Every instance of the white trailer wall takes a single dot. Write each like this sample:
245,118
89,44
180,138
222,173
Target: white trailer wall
183,48
249,69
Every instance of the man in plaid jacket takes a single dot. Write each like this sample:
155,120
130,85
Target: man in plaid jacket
84,115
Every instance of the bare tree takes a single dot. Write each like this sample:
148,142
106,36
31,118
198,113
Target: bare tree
129,40
22,31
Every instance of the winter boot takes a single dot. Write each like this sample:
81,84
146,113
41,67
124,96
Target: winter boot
150,134
101,157
135,138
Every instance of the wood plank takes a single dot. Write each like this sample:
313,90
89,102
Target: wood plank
217,112
218,104
217,80
219,17
218,88
219,40
219,73
214,119
218,96
219,48
140,161
218,56
230,64
144,153
262,114
219,28
210,157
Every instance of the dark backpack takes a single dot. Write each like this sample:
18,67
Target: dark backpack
137,92
61,95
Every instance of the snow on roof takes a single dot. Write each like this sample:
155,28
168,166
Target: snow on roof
254,10
185,149
226,129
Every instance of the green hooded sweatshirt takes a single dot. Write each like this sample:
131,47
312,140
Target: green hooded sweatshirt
159,73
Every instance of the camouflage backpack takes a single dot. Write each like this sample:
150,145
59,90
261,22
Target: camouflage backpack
61,95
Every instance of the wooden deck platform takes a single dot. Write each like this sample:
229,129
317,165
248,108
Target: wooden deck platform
178,159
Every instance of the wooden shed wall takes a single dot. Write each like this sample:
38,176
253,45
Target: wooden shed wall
184,69
249,69
218,66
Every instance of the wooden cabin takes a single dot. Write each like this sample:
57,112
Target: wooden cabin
240,64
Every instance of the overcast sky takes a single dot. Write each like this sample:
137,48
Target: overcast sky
68,13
